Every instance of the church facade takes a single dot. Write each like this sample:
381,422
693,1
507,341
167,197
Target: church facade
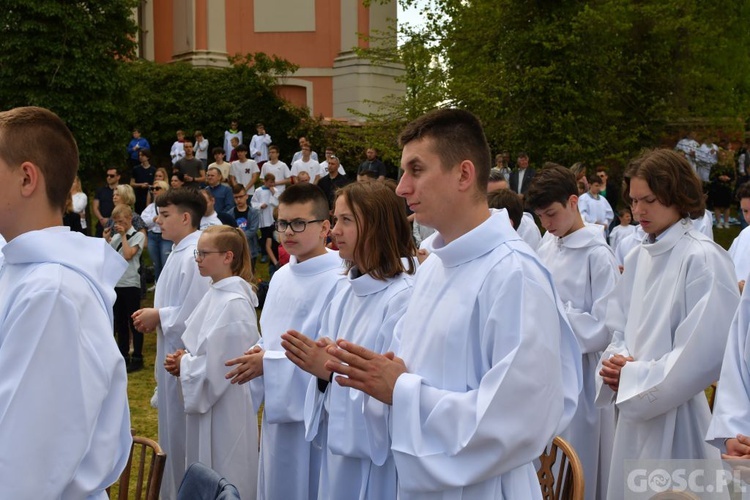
319,36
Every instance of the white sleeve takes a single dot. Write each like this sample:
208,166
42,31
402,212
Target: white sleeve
202,373
172,318
589,326
52,399
695,360
731,415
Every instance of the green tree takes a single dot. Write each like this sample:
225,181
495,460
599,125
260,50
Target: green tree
64,56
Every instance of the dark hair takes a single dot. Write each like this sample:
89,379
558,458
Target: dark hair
185,200
306,193
594,179
274,147
238,188
384,238
218,150
550,185
242,147
510,201
743,191
672,180
208,193
179,175
116,169
147,153
457,136
602,168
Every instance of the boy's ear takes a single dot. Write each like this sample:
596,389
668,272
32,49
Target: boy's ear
573,200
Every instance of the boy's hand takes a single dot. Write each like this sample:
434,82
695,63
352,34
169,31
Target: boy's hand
146,320
611,369
308,354
172,362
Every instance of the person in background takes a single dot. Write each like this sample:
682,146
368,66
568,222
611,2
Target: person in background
135,146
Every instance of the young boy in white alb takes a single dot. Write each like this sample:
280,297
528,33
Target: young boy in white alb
179,290
585,274
594,208
64,418
297,295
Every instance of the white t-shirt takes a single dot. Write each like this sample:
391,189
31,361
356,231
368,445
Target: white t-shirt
243,173
311,166
280,170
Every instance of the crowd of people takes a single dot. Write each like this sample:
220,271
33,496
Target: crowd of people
385,369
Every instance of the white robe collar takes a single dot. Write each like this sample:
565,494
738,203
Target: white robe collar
669,238
585,237
475,243
316,265
364,284
189,240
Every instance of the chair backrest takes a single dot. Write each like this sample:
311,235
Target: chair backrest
560,473
147,459
711,394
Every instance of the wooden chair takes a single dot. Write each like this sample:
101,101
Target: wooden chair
148,459
564,481
712,396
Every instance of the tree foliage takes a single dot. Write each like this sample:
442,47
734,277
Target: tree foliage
64,56
568,80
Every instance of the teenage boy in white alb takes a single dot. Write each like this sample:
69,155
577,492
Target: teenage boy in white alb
259,145
585,273
594,207
64,418
484,315
178,291
297,296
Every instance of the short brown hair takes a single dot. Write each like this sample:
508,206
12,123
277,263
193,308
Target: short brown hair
39,136
306,193
551,184
672,180
510,201
457,136
384,235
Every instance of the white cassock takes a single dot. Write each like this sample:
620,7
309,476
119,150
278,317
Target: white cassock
585,274
629,243
222,429
731,414
618,234
740,254
704,224
468,419
671,311
297,296
596,210
178,292
529,231
2,244
264,196
357,463
64,418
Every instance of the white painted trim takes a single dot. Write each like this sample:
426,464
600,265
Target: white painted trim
298,82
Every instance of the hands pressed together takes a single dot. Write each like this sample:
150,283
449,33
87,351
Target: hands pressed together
611,369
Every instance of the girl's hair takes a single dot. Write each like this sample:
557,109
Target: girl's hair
234,240
161,184
384,238
77,185
163,172
672,180
126,193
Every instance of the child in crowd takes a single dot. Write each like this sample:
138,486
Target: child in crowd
221,432
248,220
297,295
178,292
595,208
129,243
623,229
740,249
244,171
373,236
177,152
585,272
223,166
266,199
670,316
234,142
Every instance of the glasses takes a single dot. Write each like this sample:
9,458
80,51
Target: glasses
109,176
156,189
201,254
297,225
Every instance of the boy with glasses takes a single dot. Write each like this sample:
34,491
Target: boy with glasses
297,295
